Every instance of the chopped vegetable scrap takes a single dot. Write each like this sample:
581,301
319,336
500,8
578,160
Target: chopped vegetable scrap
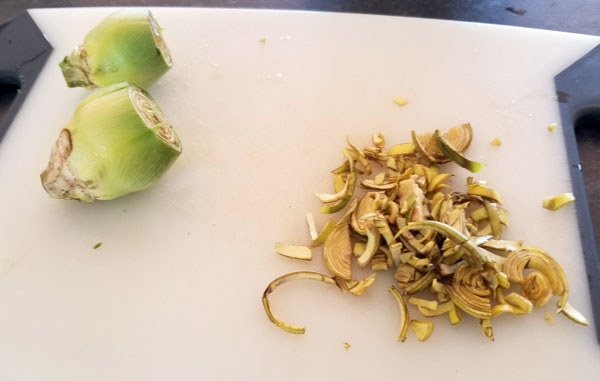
405,217
556,202
496,142
552,127
400,101
97,245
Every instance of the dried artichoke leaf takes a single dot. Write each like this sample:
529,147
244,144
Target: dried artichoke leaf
422,329
337,252
404,316
284,279
293,251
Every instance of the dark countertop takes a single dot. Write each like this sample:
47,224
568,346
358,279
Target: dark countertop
577,16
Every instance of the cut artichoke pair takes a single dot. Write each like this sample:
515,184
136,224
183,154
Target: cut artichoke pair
443,241
118,140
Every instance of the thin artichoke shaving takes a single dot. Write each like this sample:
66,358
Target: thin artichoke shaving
293,251
127,46
433,238
117,142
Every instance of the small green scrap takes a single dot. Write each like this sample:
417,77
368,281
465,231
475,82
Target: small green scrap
97,245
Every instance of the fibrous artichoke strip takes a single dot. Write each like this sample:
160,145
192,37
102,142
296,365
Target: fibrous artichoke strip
117,142
283,279
127,46
404,316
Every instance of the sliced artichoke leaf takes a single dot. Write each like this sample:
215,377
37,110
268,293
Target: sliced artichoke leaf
293,251
312,228
556,202
402,149
569,311
373,240
404,316
284,279
501,245
429,304
454,155
324,234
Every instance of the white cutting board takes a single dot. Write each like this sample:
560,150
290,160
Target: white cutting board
174,291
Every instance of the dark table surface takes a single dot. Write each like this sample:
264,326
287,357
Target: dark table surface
577,16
